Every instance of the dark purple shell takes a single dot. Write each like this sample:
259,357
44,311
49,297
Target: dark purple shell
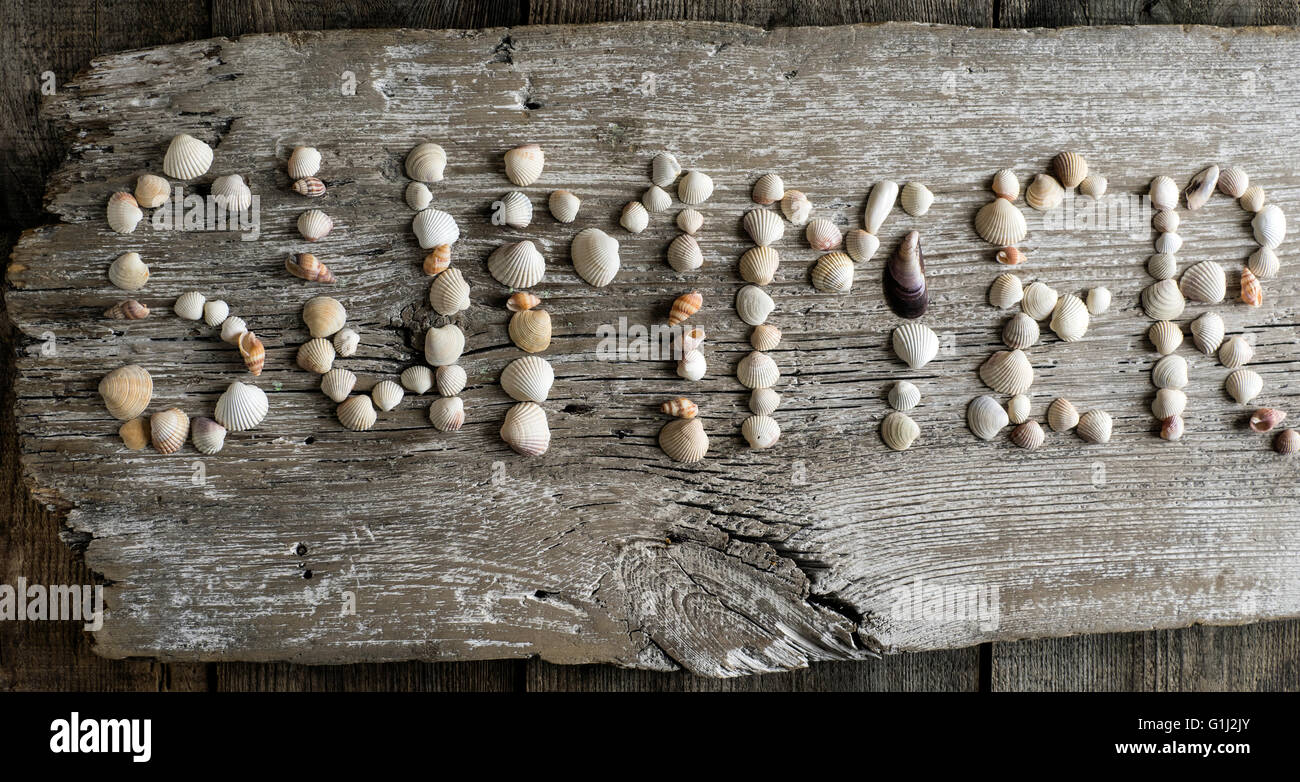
905,279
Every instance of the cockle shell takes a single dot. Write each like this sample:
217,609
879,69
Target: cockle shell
525,429
123,213
1233,181
1172,428
1166,336
681,407
860,245
1287,442
1252,293
523,300
904,279
1207,332
1166,221
443,345
1266,419
684,254
1010,256
564,206
187,157
312,187
451,379
1044,193
1253,199
1093,186
655,199
530,330
1170,372
1201,187
169,429
765,337
208,436
215,312
231,328
1062,415
1095,427
438,260
1005,291
425,163
447,414
127,310
151,191
1018,409
304,161
252,351
753,305
516,265
690,221
985,417
232,194
524,164
126,391
1028,435
595,256
449,292
241,407
346,342
1006,184
434,227
764,401
418,196
1070,318
1163,193
899,431
694,188
904,396
664,169
822,234
528,379
306,266
760,431
417,379
516,210
1020,331
386,395
357,413
1236,352
314,225
189,305
316,355
1168,401
1039,300
685,306
1098,300
916,199
757,370
1244,385
1204,282
999,222
1162,266
1169,243
796,207
769,189
635,218
1263,263
1162,300
684,440
692,366
833,273
915,344
1070,168
1007,372
324,316
879,204
764,226
337,384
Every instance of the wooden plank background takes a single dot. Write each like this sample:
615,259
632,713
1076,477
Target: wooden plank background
1159,660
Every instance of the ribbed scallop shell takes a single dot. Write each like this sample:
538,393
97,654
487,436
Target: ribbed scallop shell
694,188
1006,290
417,379
916,199
1201,187
692,366
309,186
443,345
769,189
684,440
449,292
1263,263
1166,221
757,370
1028,435
1062,415
1070,168
450,379
189,305
1007,372
516,210
595,256
1018,409
1168,401
1020,331
684,254
169,429
387,395
564,206
1207,332
823,235
1095,427
860,245
899,431
231,329
528,379
1166,336
690,221
241,407
337,384
1244,385
126,391
524,164
215,312
314,225
525,429
1287,442
1162,266
915,344
1169,243
760,431
324,316
1269,226
434,227
187,157
128,272
447,414
304,162
985,417
1006,184
833,273
655,199
232,193
764,226
999,222
123,213
208,436
1098,300
765,337
1044,193
1253,199
1205,282
418,196
151,191
1162,300
764,401
516,265
796,207
1039,300
753,305
1233,181
425,163
316,355
345,342
635,218
1093,186
904,396
530,330
1236,352
1170,372
879,204
1070,319
664,169
357,413
1163,194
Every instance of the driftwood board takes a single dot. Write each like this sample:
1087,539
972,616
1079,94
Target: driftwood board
453,547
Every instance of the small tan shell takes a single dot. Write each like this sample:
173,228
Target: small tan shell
1166,222
753,305
684,440
1233,181
123,213
387,395
418,196
151,191
1207,332
681,407
760,431
564,206
1028,435
314,225
324,316
1253,199
208,436
635,218
656,199
899,431
1007,372
337,384
447,414
1020,331
822,234
1168,401
684,254
1093,186
916,199
528,379
694,188
1062,415
525,429
1006,291
757,370
1170,372
252,351
1205,282
765,337
764,226
860,245
449,293
1070,318
187,157
304,161
999,222
134,433
1263,263
357,413
915,344
1070,168
242,406
985,417
879,204
1172,428
1166,336
833,273
759,264
169,429
316,355
796,207
1163,194
1244,385
690,221
1006,184
764,401
524,164
1162,266
443,345
1162,300
1236,352
1018,409
530,330
426,162
904,395
306,266
1039,300
1287,442
595,256
126,391
1044,193
346,342
451,379
664,169
769,189
1095,427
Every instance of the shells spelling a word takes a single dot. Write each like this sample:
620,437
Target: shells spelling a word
899,431
1020,331
664,169
985,417
418,196
656,199
1205,282
999,222
915,344
208,436
306,266
684,254
517,265
127,310
564,206
1244,385
123,213
861,246
1070,319
764,226
126,391
241,407
822,234
1269,226
525,429
324,316
187,158
434,227
1006,290
769,189
694,188
595,256
635,217
1095,426
443,345
417,379
449,293
1007,372
169,429
337,384
760,431
528,379
757,370
151,191
904,279
451,379
524,164
1062,415
425,163
387,395
1044,193
1162,300
796,207
1163,194
916,199
879,204
1201,187
314,225
530,330
765,337
1166,336
833,273
447,414
753,305
357,413
904,396
1207,332
684,440
685,306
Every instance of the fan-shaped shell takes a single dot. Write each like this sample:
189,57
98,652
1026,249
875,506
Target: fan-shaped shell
1269,225
999,222
1095,427
595,256
1166,222
208,436
128,272
769,189
760,431
316,355
1204,282
1172,428
833,273
1236,352
417,379
693,365
1028,435
1070,168
1163,194
1170,372
525,429
879,204
1018,408
443,345
764,226
187,157
655,199
1162,300
796,207
1006,184
1263,263
426,162
1233,181
753,305
451,379
1253,199
904,395
985,417
1093,186
447,414
1207,332
337,384
1287,442
664,169
899,431
528,379
757,370
1070,318
231,193
387,395
1201,187
357,413
314,225
434,227
1020,331
530,330
915,344
690,221
1162,266
1244,385
126,391
684,440
449,292
516,210
916,199
764,401
822,234
1166,336
1098,300
860,245
418,196
151,191
684,254
169,429
1062,415
1168,401
1044,193
1007,372
516,265
635,218
189,305
241,407
346,342
304,161
1169,243
1006,290
524,164
1039,300
765,337
231,329
324,316
123,213
215,312
694,188
564,206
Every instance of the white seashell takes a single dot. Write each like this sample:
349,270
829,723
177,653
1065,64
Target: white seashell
999,222
692,366
564,206
1044,193
861,245
1263,263
304,162
1162,300
1168,401
1020,331
1039,300
1236,352
769,189
760,431
1207,332
316,355
434,228
128,272
208,436
387,395
1028,435
1006,291
232,194
525,429
1269,226
664,169
822,234
1163,194
764,401
449,292
447,414
759,264
123,213
215,312
516,265
314,225
1253,199
417,379
796,207
1007,372
1098,300
514,210
684,440
451,379
324,316
189,305
357,413
168,430
635,218
1166,222
656,199
1162,266
1244,385
1166,336
1205,282
1169,243
1233,182
187,158
1006,184
346,342
337,384
757,370
528,379
985,417
915,344
1070,318
443,345
753,305
764,226
899,431
833,273
904,396
151,191
425,163
524,164
1170,372
684,254
690,221
916,199
1062,415
1093,186
418,196
1018,409
595,256
879,204
231,329
694,188
241,407
1201,187
765,337
1095,426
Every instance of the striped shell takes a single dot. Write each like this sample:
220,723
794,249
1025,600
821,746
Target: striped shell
1244,385
1070,168
753,305
769,189
215,312
241,407
757,370
690,221
1020,331
1287,442
312,187
685,306
760,431
304,161
1007,372
187,157
1006,184
386,395
252,351
337,384
516,210
324,316
860,245
530,330
1070,318
128,272
346,342
764,226
764,401
664,169
417,379
635,218
447,414
451,379
899,431
1263,263
1018,409
169,429
357,413
1000,223
879,204
1029,435
1166,336
1095,427
1163,194
1166,222
1170,372
1044,193
1205,282
684,440
1236,352
123,213
434,227
1006,290
1168,401
425,163
655,199
1252,293
231,193
765,337
528,379
449,292
208,436
915,344
314,225
306,266
1207,332
916,199
681,407
833,273
525,429
151,191
1062,415
564,206
1169,243
418,196
517,265
694,188
684,254
822,234
1233,181
1163,300
126,391
904,396
524,164
316,355
1094,186
1039,300
523,300
1201,187
127,310
796,207
985,417
1253,199
443,345
189,305
1162,266
595,256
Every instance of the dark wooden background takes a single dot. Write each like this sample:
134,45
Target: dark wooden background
63,36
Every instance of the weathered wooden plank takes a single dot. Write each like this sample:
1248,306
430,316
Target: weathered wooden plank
239,17
486,676
762,13
1052,13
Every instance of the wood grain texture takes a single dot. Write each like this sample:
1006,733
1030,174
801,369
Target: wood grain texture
1054,13
761,13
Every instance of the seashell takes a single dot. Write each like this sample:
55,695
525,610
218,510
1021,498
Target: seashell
169,429
764,226
418,379
664,169
684,440
760,431
916,199
1236,352
530,330
449,292
1018,408
1162,266
232,194
1170,372
753,305
1166,336
1039,300
1166,222
215,312
861,245
1201,187
656,199
769,189
796,207
1252,293
386,395
822,234
438,260
833,273
1233,181
314,225
1044,193
1163,300
1207,332
128,272
312,187
1070,318
324,316
450,379
757,370
127,310
765,337
1098,300
231,328
516,210
134,433
189,305
337,384
1205,282
151,191
525,429
635,218
123,213
915,344
1010,256
521,301
447,414
241,407
306,266
524,164
595,256
1163,194
1095,427
1007,372
999,222
1070,169
208,436
1020,331
764,401
1253,199
346,342
1169,243
693,339
904,279
187,157
1006,185
1172,428
1028,435
418,196
1168,401
1266,418
685,306
899,431
879,204
528,379
1244,385
303,162
681,407
443,345
692,366
684,254
904,396
1093,186
690,221
1263,263
694,188
1287,442
1061,415
434,227
357,413
985,417
425,163
253,352
517,265
316,355
1006,291
564,206
126,391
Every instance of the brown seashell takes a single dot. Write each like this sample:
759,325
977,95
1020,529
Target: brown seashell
530,330
1252,292
169,429
126,391
1172,427
1070,168
1011,256
1266,418
309,186
1287,442
686,305
127,310
438,259
253,351
135,433
306,266
904,279
522,301
1028,435
680,407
